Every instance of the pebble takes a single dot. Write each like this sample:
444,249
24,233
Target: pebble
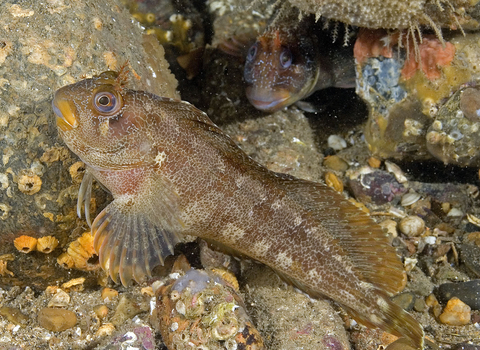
432,302
456,313
331,180
419,305
378,187
126,309
101,311
468,292
412,226
14,315
108,294
56,320
60,299
335,163
464,346
404,300
105,330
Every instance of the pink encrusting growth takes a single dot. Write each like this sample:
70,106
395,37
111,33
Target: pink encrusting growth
430,56
373,43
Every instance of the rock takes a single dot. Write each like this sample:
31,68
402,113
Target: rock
127,308
464,346
60,299
404,300
289,319
419,283
419,305
56,320
375,186
470,256
412,226
468,292
14,315
456,313
42,48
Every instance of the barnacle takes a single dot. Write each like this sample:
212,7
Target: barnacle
78,253
75,284
28,182
25,244
66,261
47,244
4,259
76,171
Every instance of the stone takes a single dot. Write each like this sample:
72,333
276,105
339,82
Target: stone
412,226
404,300
456,313
56,320
468,292
470,256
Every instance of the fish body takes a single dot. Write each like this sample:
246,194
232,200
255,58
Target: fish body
290,61
172,172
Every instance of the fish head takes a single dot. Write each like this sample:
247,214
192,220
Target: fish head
280,69
106,125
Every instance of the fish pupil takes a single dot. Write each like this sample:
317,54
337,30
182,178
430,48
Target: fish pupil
286,58
107,103
252,52
104,101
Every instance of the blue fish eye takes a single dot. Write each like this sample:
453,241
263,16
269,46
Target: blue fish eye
286,58
107,103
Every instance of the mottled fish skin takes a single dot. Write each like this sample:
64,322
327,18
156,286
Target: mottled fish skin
172,172
289,61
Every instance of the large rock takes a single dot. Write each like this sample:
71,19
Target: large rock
44,46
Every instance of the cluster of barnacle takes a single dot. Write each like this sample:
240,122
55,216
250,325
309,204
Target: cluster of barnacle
78,254
199,309
27,244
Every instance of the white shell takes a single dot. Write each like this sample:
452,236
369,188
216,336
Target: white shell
336,142
395,170
409,198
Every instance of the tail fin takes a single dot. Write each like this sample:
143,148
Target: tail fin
391,318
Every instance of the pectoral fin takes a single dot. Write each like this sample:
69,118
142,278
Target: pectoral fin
132,237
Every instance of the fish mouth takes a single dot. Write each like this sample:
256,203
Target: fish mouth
268,100
65,114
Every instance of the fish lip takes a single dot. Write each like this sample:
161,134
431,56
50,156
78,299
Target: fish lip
65,117
268,103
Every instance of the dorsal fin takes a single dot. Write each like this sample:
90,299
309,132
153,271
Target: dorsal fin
362,239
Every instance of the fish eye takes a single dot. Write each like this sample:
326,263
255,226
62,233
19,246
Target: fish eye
107,102
252,52
286,58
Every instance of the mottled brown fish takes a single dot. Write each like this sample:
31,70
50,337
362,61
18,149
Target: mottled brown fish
290,61
173,172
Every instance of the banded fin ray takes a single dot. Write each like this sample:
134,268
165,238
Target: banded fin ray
135,233
363,240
